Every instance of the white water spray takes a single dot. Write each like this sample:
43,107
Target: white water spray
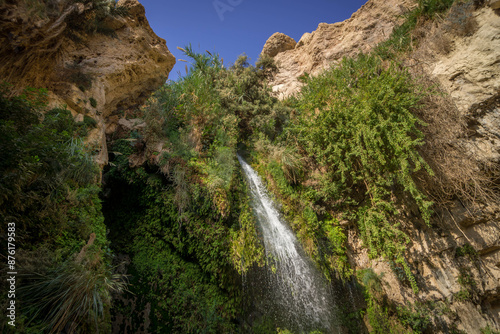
297,291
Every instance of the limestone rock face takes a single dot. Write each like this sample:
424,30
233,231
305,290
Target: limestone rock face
116,70
277,43
124,69
470,73
315,51
92,74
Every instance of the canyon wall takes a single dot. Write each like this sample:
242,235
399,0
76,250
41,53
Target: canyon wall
464,63
92,74
317,50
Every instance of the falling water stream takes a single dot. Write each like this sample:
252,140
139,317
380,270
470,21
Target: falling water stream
295,292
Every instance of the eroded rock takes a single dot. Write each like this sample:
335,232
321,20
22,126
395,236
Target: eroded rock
278,43
92,74
315,51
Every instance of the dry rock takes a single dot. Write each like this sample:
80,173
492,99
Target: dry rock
93,74
315,51
471,72
125,69
277,43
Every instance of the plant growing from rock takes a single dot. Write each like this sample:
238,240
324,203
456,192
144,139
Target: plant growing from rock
356,123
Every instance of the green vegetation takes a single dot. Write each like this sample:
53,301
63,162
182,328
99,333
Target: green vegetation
93,102
190,231
385,317
341,155
467,283
489,330
415,317
49,190
377,310
89,122
365,137
467,251
72,295
357,135
43,163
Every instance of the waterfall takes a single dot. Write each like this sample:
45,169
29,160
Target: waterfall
295,292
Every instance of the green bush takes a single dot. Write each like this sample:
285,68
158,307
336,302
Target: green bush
463,295
376,311
415,317
72,296
93,102
489,330
356,122
89,122
48,187
467,250
41,162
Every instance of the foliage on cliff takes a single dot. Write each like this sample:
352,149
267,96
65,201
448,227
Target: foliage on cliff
349,146
338,152
189,210
49,191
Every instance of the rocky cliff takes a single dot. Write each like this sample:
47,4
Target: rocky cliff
315,51
94,57
457,261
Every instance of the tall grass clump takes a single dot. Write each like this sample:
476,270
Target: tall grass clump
72,297
403,38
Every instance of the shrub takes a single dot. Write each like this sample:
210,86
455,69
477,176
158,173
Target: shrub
356,122
48,187
463,295
93,102
89,122
40,163
489,330
415,317
467,250
376,311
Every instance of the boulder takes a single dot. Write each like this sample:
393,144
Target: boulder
278,43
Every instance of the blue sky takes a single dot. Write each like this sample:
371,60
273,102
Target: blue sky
233,27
